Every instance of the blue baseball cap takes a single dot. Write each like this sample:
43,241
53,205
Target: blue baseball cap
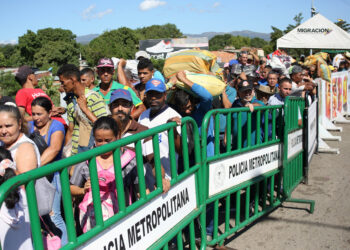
233,61
120,94
155,84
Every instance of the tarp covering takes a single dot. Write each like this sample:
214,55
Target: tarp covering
316,33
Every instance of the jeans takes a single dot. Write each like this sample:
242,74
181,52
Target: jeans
89,146
210,219
56,208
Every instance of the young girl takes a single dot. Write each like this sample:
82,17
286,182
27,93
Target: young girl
15,230
105,130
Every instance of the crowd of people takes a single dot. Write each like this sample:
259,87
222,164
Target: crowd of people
34,133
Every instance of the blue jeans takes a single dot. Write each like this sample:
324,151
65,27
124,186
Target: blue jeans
210,219
56,208
89,146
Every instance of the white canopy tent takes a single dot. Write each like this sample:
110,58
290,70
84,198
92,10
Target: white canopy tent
316,33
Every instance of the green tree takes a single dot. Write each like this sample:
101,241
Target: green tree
268,48
343,24
46,83
29,44
2,59
55,53
8,84
240,41
297,19
158,64
55,35
158,31
274,35
120,43
257,42
220,42
16,60
49,47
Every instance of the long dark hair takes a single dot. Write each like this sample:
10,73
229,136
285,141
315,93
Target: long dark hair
13,197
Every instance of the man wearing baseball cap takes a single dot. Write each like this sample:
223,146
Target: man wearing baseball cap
105,70
158,114
25,76
246,98
120,106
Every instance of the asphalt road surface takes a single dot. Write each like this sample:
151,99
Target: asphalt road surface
292,227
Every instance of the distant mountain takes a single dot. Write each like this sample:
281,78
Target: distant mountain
86,39
251,34
246,33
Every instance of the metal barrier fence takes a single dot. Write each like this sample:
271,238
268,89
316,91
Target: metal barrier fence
155,211
255,167
243,177
293,148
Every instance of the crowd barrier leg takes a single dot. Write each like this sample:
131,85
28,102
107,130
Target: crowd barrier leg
293,150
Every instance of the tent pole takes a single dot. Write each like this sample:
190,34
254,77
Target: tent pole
310,52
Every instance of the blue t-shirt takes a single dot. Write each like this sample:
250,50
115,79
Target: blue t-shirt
244,125
200,111
263,82
55,126
231,95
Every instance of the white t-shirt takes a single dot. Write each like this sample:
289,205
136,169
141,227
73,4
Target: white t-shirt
161,119
15,230
24,139
297,90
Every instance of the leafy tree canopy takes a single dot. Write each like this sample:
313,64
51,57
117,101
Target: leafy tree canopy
120,43
159,31
343,24
42,48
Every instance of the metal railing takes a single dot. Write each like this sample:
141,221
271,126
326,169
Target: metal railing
74,241
240,204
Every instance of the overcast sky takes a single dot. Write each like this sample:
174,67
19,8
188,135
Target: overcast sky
190,16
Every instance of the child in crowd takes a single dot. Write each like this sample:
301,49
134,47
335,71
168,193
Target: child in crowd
105,130
15,230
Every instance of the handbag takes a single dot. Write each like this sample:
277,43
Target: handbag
45,193
39,141
51,241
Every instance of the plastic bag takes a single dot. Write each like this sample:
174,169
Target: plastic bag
196,61
211,83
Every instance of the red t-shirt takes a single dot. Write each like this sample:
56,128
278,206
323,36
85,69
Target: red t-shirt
25,97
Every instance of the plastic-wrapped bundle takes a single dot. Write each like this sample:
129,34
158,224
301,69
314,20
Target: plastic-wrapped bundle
211,83
196,61
130,67
320,57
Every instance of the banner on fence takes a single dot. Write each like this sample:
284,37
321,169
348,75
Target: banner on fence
312,129
295,142
146,225
339,88
229,172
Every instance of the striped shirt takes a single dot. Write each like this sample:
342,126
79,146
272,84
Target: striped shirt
95,103
115,85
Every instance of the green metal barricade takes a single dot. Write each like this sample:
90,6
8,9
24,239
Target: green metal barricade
293,148
152,221
243,177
